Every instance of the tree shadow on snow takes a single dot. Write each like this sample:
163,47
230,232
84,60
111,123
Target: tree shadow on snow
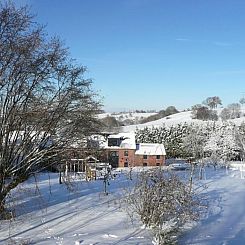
197,235
238,239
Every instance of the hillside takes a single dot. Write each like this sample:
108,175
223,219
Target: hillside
181,117
121,116
127,115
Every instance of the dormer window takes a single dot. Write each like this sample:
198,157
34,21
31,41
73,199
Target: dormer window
113,142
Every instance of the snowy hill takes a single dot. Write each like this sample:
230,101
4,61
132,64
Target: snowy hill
127,115
134,116
169,120
181,117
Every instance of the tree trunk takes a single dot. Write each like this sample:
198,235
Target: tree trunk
2,205
6,189
191,177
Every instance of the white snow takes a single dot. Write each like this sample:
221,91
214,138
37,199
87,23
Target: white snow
225,221
87,216
174,119
128,141
59,216
181,117
150,149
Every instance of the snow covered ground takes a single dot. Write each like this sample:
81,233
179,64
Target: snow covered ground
174,119
181,117
225,221
84,216
87,216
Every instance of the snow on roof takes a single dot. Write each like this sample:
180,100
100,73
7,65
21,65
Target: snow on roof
91,158
127,140
150,149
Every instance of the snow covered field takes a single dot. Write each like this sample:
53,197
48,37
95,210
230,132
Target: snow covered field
83,216
87,216
181,117
225,220
174,119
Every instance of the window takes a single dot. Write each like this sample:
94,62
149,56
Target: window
113,142
158,164
114,154
145,164
144,156
125,164
158,157
125,153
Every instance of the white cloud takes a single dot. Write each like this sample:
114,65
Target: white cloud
216,43
224,44
182,39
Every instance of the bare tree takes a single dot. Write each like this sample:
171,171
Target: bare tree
225,114
46,103
203,113
240,137
235,110
163,203
212,102
194,145
232,111
242,101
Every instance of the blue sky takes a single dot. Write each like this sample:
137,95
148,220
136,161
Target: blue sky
150,54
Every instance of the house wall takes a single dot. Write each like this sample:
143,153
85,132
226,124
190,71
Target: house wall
123,161
150,161
136,160
126,161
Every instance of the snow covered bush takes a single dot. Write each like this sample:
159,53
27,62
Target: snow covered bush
171,137
240,137
163,203
222,141
221,145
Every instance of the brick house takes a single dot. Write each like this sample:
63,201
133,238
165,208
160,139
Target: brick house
150,155
122,151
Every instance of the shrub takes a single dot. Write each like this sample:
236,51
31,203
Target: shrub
163,203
